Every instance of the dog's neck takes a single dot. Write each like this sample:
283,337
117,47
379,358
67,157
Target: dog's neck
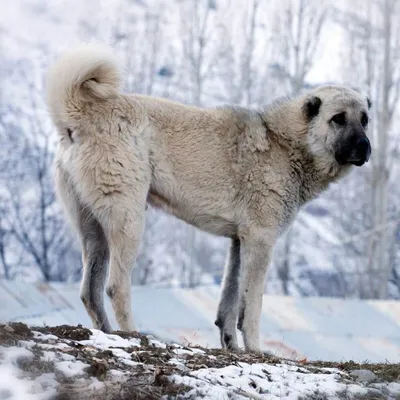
285,119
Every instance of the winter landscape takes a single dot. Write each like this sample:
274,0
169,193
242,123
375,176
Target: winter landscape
344,245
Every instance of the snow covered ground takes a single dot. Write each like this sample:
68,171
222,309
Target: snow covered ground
74,362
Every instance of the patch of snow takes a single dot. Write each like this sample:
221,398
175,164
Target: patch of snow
28,344
130,363
120,353
183,351
48,384
95,384
42,336
104,341
12,384
178,363
71,369
116,375
356,390
258,381
157,343
58,346
65,357
12,354
48,356
124,357
394,388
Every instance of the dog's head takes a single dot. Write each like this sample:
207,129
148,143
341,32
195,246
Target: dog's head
338,119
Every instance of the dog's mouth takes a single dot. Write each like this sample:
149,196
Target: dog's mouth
358,163
356,155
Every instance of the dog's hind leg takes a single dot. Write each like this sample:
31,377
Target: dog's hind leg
116,187
125,231
228,306
95,255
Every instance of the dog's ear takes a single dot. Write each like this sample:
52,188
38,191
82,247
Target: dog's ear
311,107
369,102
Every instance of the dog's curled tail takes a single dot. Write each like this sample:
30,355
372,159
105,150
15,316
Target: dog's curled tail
85,73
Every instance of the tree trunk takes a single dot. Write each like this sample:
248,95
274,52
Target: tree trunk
379,268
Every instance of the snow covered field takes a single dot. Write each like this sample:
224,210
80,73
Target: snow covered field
77,363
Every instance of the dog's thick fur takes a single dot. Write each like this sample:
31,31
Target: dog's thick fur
229,171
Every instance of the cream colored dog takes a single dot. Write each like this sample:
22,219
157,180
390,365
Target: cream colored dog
229,171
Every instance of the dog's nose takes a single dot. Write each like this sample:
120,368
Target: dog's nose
363,145
363,148
361,151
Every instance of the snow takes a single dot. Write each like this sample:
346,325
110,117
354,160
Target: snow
13,354
157,343
58,346
103,341
71,368
11,383
42,336
394,387
257,380
191,351
48,356
11,377
235,380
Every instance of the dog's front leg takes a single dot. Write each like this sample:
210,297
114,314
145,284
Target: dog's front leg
256,254
228,307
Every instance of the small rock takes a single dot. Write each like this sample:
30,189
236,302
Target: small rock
363,376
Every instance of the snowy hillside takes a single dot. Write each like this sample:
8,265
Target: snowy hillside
67,362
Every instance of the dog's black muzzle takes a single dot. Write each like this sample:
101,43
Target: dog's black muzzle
355,150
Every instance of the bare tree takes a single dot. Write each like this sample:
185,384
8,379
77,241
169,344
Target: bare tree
33,218
4,245
374,40
245,73
298,29
244,53
140,44
386,107
199,31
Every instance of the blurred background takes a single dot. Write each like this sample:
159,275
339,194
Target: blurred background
209,52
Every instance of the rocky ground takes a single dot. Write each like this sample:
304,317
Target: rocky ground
68,363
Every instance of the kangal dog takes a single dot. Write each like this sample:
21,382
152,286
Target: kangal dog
229,171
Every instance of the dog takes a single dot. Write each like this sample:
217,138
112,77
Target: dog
229,171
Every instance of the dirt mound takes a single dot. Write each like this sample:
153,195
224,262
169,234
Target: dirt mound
11,333
66,331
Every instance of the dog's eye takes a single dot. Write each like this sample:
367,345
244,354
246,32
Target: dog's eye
69,131
339,119
364,120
